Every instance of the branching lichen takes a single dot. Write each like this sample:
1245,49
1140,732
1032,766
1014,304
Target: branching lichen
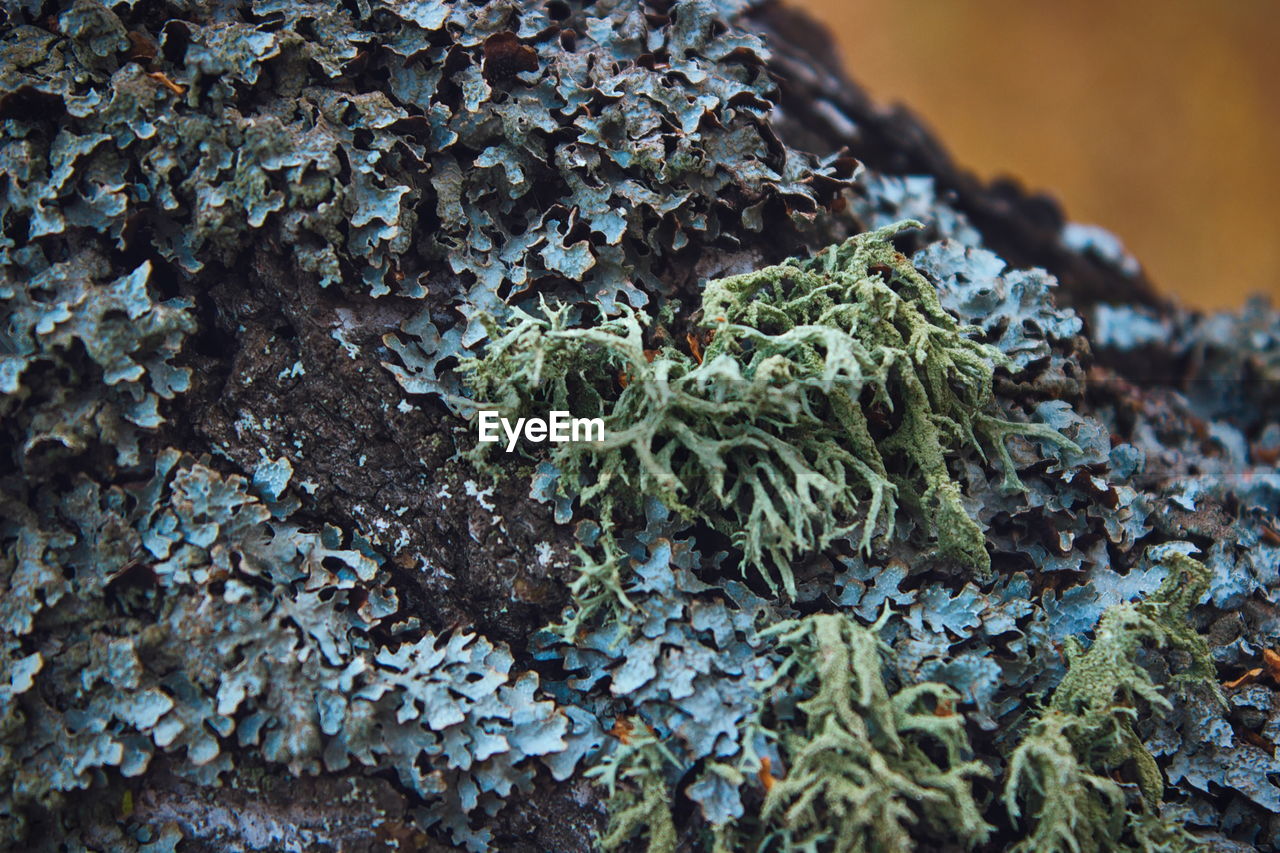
830,389
635,776
862,770
1060,774
438,167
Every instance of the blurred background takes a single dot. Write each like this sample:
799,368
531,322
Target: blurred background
1157,119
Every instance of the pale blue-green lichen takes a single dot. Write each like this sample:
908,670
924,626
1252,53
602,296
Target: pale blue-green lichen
244,630
379,145
109,333
1060,775
830,389
844,765
459,159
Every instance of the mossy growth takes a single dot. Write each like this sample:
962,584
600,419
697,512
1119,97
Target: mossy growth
1063,774
860,769
831,390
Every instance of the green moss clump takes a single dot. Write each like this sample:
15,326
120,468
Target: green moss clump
831,390
1060,774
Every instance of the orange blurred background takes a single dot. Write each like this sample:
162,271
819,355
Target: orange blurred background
1157,119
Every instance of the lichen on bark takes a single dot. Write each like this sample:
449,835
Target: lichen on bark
249,250
828,389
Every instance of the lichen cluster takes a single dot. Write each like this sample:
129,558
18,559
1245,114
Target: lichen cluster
995,641
178,616
1060,775
477,151
866,770
634,775
829,390
861,772
836,762
881,552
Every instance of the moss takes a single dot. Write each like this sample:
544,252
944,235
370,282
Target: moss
830,390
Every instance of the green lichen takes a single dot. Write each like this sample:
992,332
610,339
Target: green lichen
634,775
831,390
862,769
1060,775
167,617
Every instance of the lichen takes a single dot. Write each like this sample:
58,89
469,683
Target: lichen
832,759
73,317
925,441
177,616
378,147
635,775
865,770
829,389
1060,775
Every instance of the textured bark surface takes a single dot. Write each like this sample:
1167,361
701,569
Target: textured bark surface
284,367
361,456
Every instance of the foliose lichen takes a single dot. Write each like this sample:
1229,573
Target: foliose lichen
902,431
178,617
381,146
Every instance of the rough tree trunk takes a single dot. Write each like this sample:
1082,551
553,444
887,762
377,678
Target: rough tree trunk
288,366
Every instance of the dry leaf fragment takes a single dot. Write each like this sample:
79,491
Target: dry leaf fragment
1247,678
